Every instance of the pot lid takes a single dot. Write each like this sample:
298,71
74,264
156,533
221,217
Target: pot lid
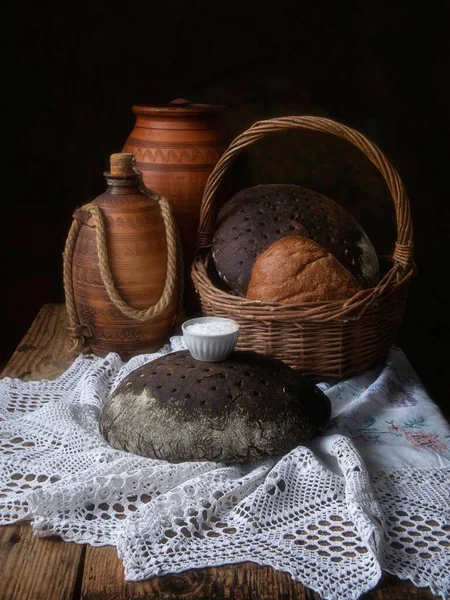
178,107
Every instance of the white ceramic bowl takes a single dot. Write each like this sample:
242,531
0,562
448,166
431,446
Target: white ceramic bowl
214,339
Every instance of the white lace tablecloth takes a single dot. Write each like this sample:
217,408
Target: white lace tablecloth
370,494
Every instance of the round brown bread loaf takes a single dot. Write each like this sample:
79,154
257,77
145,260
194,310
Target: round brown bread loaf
295,270
257,216
247,407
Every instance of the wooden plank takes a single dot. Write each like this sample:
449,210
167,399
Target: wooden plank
242,581
36,569
44,352
33,568
103,577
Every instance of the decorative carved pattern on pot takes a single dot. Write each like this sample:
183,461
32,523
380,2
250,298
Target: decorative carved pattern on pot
176,147
205,156
134,223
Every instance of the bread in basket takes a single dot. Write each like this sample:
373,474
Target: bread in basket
327,341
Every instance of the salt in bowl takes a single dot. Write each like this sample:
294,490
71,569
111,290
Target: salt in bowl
210,339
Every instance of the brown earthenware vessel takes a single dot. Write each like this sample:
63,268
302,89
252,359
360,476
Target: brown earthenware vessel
136,252
176,146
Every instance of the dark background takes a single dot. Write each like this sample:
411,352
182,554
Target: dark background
73,73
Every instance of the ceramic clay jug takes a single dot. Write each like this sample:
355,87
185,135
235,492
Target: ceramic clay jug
122,276
176,146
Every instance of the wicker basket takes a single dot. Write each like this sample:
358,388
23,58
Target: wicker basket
327,341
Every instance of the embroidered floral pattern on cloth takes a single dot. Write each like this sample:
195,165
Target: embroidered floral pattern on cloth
371,493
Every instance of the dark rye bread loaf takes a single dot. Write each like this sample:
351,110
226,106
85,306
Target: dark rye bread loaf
247,407
255,217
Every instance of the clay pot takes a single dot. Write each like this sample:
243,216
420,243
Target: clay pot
136,255
176,147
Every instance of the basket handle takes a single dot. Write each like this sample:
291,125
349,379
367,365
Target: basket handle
404,246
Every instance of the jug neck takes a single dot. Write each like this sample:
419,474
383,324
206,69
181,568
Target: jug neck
122,185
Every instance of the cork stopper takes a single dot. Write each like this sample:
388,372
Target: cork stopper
122,164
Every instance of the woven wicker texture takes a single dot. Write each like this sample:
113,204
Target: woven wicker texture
325,341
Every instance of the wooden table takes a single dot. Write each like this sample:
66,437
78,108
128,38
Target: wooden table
51,569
